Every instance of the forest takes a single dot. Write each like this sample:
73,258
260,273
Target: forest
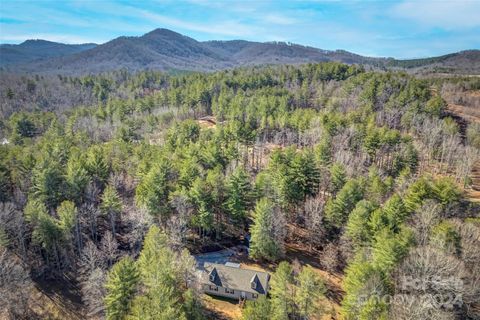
112,183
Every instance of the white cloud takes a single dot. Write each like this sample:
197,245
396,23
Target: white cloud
447,14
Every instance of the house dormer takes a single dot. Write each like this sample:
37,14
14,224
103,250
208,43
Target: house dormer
254,282
212,275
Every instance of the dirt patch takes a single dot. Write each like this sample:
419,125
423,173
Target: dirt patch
464,104
57,299
467,113
223,309
208,122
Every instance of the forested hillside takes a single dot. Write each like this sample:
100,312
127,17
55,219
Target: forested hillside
169,51
32,50
109,184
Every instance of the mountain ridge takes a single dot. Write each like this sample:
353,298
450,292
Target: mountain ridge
34,49
164,49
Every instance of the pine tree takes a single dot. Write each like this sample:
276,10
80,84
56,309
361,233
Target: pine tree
192,305
338,209
307,173
435,106
389,248
357,227
416,193
77,179
111,204
155,262
392,215
67,214
158,303
259,309
239,194
364,282
164,276
445,191
47,183
309,292
376,189
121,286
266,232
281,291
323,151
97,166
445,237
338,177
154,189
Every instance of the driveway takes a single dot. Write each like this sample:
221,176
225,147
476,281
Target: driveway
220,257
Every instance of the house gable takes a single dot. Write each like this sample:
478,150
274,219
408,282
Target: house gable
236,279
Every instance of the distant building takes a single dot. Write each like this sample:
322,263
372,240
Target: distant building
233,282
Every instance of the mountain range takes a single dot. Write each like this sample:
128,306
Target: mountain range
163,49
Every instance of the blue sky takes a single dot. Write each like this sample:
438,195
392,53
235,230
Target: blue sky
401,29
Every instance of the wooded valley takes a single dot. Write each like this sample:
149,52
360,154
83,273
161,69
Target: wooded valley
111,183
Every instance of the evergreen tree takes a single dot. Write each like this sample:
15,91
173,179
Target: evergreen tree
121,285
281,292
154,189
357,227
259,309
364,285
307,173
164,276
48,183
266,234
435,106
239,194
77,179
309,292
323,151
67,214
445,237
97,166
389,248
445,191
416,193
392,215
338,177
338,209
111,205
155,262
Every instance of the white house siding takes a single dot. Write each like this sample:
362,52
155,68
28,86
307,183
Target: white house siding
221,292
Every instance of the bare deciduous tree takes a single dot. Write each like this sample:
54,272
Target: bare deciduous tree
93,292
91,258
424,220
15,287
314,215
109,248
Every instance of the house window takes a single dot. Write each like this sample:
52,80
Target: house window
213,288
254,285
254,295
212,277
231,291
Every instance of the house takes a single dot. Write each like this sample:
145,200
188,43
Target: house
230,281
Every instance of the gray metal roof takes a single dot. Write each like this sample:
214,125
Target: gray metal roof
236,278
232,264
